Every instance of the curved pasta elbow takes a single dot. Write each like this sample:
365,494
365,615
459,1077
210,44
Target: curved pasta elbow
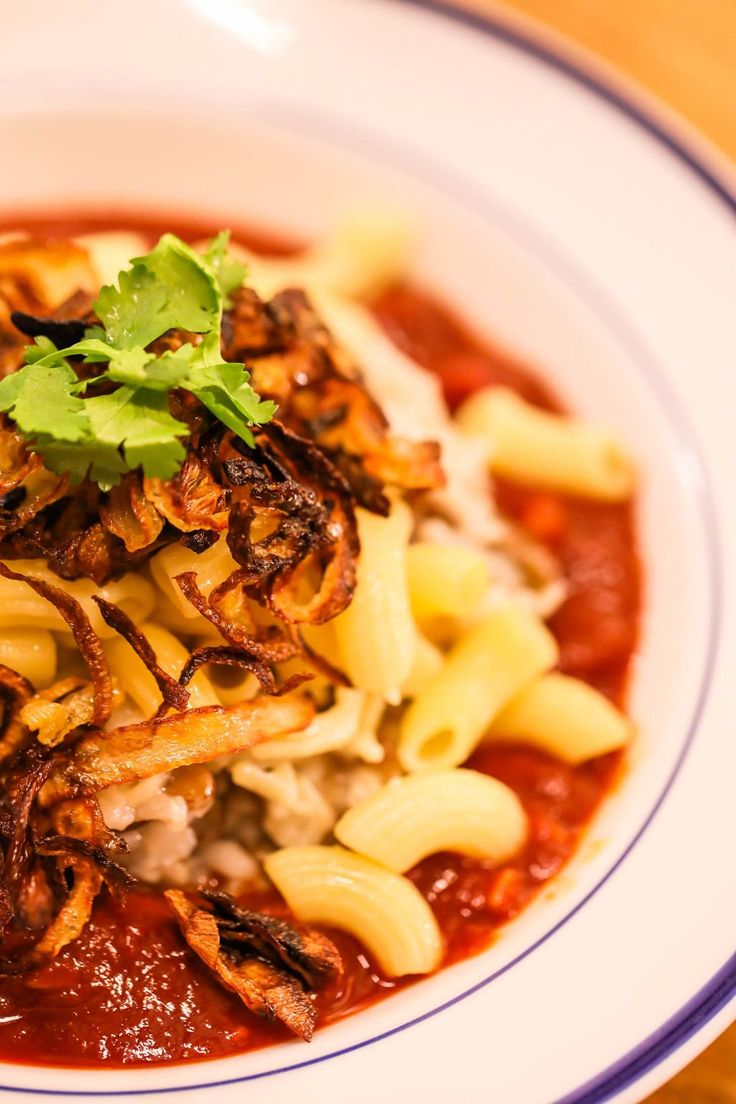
31,652
487,667
419,815
565,717
547,450
445,579
385,911
21,606
376,635
365,253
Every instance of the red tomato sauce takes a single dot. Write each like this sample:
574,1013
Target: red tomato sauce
129,992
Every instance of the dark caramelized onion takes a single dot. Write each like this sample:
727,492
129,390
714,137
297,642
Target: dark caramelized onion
63,332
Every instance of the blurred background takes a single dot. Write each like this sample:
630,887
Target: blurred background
684,51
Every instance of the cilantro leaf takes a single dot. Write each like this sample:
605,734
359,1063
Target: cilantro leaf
229,272
102,436
42,349
226,392
194,300
43,395
96,460
172,287
139,420
136,312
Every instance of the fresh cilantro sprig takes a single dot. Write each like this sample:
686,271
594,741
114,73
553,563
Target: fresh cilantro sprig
102,436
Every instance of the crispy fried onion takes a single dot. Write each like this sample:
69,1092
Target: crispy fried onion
136,751
49,880
40,489
15,691
52,863
305,568
321,394
193,499
287,504
87,867
128,514
58,710
304,951
236,657
228,610
116,876
269,964
16,462
346,421
172,691
84,635
66,870
72,917
22,783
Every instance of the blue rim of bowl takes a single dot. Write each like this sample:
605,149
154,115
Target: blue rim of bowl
717,993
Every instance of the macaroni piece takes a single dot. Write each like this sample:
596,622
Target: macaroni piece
452,810
212,567
30,652
445,580
428,661
547,450
19,605
328,885
376,637
363,255
565,717
484,670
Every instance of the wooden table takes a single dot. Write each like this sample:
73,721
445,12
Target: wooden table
685,52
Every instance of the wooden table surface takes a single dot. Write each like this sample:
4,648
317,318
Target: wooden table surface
685,52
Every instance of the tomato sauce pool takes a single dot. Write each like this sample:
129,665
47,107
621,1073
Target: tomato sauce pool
129,992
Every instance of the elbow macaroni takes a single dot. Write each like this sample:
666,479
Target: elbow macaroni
30,652
376,637
212,567
452,810
548,450
483,672
565,717
445,580
428,661
365,253
385,911
19,605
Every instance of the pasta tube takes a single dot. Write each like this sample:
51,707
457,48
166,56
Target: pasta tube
445,580
385,911
19,605
30,652
376,636
428,661
483,672
565,717
212,567
547,450
449,810
329,731
364,254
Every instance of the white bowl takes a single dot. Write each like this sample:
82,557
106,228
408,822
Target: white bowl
565,222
